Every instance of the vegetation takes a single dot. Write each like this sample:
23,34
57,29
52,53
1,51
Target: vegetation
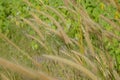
59,40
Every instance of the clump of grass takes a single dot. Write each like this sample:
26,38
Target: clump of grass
64,57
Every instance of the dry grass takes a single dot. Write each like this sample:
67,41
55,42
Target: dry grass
72,59
24,71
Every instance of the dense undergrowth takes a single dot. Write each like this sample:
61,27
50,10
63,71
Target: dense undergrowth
59,40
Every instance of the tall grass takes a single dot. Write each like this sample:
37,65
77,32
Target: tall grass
61,56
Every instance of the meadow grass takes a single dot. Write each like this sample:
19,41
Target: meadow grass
58,55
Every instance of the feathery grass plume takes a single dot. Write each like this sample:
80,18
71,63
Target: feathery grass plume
93,64
3,77
90,26
66,2
116,4
34,28
31,5
62,34
81,59
88,21
64,21
24,71
116,75
87,38
110,2
60,29
76,59
77,14
75,65
116,27
24,53
87,60
58,14
32,37
38,20
47,27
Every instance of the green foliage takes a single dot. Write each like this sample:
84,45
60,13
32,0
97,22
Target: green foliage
16,30
95,8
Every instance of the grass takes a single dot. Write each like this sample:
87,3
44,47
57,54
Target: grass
57,53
